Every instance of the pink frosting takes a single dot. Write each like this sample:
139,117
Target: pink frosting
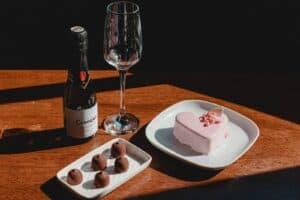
202,134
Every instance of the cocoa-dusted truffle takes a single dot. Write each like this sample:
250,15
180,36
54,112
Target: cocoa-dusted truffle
118,149
99,162
121,164
101,179
74,177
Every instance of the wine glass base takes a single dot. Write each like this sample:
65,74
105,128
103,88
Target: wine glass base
117,124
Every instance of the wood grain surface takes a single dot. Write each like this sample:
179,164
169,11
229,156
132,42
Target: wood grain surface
33,147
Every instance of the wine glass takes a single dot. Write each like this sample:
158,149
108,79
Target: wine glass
122,49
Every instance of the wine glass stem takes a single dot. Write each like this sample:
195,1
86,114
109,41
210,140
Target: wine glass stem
122,91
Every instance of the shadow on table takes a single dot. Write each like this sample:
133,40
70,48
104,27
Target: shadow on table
49,91
276,185
56,90
20,140
168,165
54,190
274,93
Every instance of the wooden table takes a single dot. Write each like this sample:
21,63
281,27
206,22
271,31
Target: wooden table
33,149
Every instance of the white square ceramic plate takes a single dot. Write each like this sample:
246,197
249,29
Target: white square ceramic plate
138,161
243,133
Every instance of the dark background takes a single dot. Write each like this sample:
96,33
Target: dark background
250,48
181,35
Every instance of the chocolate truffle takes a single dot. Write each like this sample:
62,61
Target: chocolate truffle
121,164
99,162
101,179
118,149
74,177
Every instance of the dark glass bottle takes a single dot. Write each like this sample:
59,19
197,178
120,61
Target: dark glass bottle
79,100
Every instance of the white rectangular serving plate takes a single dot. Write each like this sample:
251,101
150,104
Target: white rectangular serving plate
243,133
137,158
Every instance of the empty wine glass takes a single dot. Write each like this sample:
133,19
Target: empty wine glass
122,49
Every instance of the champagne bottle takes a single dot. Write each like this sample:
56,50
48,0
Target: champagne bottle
79,100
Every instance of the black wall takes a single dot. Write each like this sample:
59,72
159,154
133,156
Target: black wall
206,35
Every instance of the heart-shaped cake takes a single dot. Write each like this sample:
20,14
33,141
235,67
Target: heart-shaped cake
203,134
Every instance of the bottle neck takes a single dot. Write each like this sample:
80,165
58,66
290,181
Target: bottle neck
78,70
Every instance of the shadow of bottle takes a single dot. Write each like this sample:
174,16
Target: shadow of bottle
20,140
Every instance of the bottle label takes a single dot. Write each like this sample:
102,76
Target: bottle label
81,123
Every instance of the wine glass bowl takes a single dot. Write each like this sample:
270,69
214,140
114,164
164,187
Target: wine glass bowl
122,35
122,49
